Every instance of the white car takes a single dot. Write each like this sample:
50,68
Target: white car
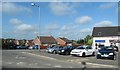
83,51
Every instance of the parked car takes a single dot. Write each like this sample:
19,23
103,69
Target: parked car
49,47
54,49
66,50
33,47
21,47
106,52
83,51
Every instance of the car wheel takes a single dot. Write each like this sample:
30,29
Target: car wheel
67,53
97,57
83,54
113,58
93,54
54,52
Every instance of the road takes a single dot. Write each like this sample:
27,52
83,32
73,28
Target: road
42,59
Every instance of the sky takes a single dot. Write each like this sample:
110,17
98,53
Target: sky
73,20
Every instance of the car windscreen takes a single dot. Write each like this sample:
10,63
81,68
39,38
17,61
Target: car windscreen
81,47
70,47
65,47
88,47
107,48
60,47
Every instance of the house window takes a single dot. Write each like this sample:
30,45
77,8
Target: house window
99,33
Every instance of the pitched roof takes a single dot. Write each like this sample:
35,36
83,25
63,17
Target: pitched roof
30,40
66,40
106,31
47,39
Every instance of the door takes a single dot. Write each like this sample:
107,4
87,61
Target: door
89,50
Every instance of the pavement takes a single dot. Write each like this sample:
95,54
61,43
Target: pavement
42,59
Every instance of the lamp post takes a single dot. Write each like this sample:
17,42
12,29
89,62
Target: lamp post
32,4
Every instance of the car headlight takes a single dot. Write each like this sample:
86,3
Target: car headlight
63,50
98,53
110,53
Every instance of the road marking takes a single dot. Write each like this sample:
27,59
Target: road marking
70,67
9,62
20,63
20,57
58,66
38,55
101,65
48,64
77,60
33,64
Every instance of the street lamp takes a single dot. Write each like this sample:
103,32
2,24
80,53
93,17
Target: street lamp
33,4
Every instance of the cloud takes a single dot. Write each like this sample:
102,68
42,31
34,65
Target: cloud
15,21
103,23
14,8
87,30
52,26
24,27
66,28
59,8
21,26
83,20
108,5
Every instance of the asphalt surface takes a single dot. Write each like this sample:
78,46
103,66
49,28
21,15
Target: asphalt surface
42,59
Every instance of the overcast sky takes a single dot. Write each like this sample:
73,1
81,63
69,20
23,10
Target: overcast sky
73,20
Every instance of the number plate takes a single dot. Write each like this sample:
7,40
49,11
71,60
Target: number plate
104,55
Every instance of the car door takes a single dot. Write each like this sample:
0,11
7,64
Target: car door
89,50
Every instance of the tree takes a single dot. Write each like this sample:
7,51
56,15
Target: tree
90,42
81,41
87,38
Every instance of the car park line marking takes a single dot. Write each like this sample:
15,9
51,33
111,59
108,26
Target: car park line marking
70,67
58,66
20,63
33,64
48,64
102,65
20,57
77,60
39,55
9,62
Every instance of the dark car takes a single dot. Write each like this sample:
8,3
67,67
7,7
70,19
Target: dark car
106,52
66,50
21,47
